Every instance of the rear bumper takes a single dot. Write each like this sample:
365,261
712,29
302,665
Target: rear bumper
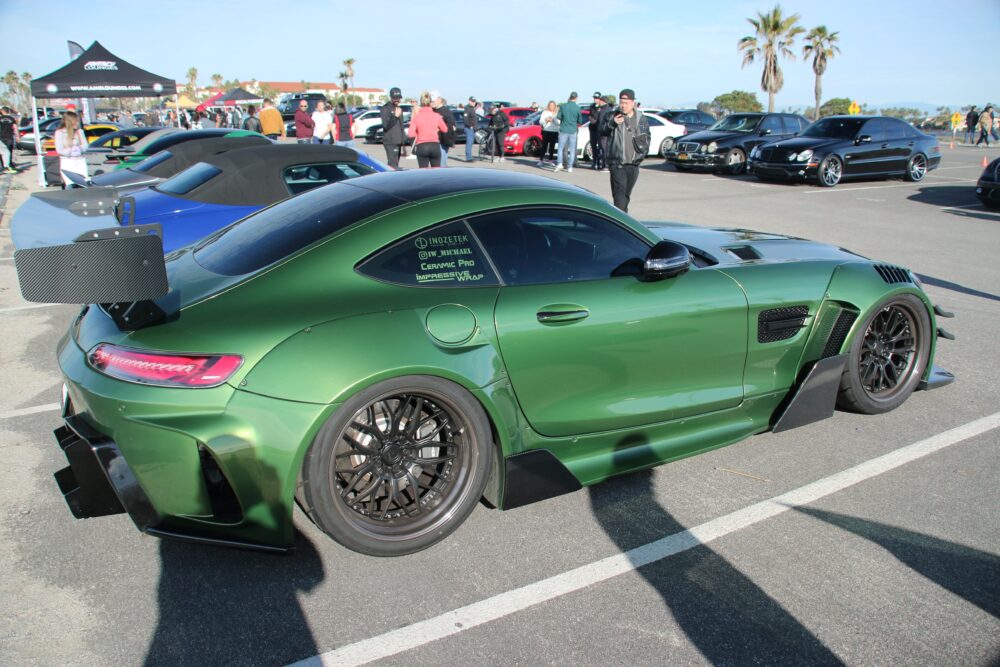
99,482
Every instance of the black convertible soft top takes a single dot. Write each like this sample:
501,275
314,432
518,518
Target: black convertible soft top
193,152
253,176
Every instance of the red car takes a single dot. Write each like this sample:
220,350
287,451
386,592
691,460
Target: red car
527,139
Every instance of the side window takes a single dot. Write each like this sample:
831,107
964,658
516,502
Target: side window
772,123
443,256
653,120
792,124
537,246
300,178
895,129
873,128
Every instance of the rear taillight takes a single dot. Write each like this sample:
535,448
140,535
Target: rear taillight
165,370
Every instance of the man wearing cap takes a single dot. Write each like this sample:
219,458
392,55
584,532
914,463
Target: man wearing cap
569,117
392,127
628,143
8,127
596,149
471,123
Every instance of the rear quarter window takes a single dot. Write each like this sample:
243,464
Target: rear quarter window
189,179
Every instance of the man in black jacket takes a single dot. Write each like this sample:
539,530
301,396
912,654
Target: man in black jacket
499,122
8,128
971,119
593,124
447,139
628,143
471,123
392,127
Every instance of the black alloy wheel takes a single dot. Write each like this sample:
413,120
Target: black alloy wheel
398,467
830,171
532,146
888,359
916,168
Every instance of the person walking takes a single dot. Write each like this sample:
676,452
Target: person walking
471,124
392,127
8,126
322,120
447,138
570,118
971,121
550,133
70,144
628,143
304,123
603,115
251,122
271,122
596,153
985,125
343,127
499,123
425,128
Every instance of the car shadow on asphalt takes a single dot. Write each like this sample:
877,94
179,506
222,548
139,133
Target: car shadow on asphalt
726,616
955,287
971,574
221,606
948,195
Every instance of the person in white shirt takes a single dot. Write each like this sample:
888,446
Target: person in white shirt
70,144
550,132
323,119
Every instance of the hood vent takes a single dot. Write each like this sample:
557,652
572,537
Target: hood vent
893,274
744,252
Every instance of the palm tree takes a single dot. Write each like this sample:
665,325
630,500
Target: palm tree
192,86
349,64
821,45
217,81
775,36
343,76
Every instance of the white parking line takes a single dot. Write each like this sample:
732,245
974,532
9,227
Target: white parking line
871,187
948,208
14,309
30,411
504,604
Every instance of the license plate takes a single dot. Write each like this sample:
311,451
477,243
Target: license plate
682,156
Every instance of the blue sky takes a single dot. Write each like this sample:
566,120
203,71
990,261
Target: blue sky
669,52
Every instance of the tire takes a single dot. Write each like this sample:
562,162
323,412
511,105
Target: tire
665,146
416,433
887,357
532,146
736,162
830,171
587,154
916,168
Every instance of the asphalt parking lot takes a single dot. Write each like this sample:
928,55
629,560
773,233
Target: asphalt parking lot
858,540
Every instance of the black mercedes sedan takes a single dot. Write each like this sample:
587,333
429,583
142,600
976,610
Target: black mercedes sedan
839,147
725,146
988,187
692,119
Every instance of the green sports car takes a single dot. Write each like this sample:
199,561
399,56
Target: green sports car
387,351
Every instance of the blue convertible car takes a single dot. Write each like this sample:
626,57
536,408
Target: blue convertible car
194,203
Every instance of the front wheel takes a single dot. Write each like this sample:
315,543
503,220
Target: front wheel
736,162
887,357
398,467
665,146
532,146
831,169
916,168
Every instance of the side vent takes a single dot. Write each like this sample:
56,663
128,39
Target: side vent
839,333
780,323
743,252
893,274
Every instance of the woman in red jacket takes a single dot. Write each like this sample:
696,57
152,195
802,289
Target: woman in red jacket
424,128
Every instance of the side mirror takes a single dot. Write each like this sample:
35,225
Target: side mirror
864,139
764,132
666,259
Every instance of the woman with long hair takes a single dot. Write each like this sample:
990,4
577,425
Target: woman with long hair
70,145
550,132
424,128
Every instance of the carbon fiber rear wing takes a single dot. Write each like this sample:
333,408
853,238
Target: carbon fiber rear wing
120,264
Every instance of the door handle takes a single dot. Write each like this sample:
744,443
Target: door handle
562,312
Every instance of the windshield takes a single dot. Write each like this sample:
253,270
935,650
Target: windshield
834,128
149,163
736,123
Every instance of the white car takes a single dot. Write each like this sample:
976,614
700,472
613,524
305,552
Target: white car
662,134
366,119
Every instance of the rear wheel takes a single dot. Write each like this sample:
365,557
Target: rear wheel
398,467
736,162
887,357
830,171
916,168
532,146
588,152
